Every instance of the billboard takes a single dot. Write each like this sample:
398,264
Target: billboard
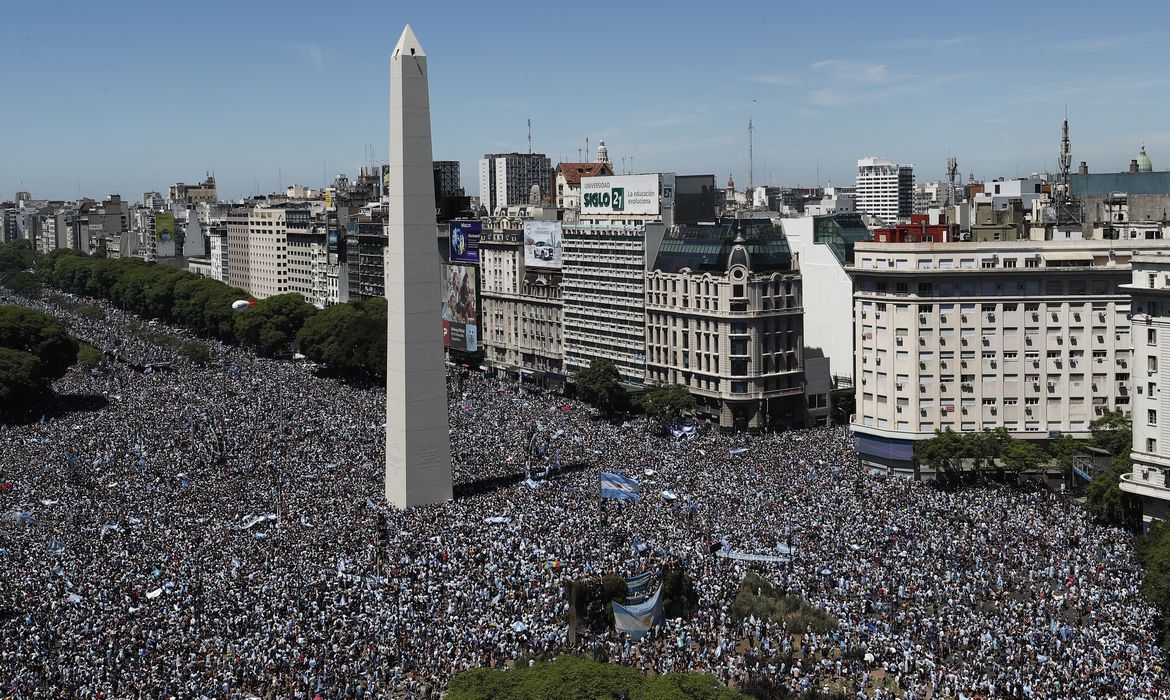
465,241
459,307
542,244
164,226
621,194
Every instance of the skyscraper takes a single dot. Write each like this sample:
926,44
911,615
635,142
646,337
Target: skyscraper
885,189
418,445
507,178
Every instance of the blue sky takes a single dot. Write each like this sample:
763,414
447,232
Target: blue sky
133,96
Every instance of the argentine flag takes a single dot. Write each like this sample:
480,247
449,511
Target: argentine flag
619,487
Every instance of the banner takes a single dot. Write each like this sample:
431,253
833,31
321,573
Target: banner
542,244
464,241
744,556
638,584
619,487
459,308
636,620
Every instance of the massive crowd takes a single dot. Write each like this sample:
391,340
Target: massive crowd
212,533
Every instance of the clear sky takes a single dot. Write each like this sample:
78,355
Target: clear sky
132,96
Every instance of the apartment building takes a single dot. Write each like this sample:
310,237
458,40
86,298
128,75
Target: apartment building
521,310
1030,336
1149,291
258,247
724,319
309,268
507,178
885,189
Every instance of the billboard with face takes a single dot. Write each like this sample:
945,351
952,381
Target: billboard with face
465,241
542,244
459,308
164,226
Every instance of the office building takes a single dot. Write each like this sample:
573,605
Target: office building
884,189
1149,292
507,178
447,179
1033,337
258,255
724,319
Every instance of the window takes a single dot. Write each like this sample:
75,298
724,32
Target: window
1151,336
1151,417
1031,262
1151,445
1009,262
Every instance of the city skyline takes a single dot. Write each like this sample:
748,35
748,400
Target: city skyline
266,100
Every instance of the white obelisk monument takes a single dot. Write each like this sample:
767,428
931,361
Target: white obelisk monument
418,445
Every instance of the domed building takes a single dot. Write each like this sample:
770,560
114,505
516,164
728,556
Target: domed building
1143,162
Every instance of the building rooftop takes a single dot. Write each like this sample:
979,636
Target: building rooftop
573,172
709,247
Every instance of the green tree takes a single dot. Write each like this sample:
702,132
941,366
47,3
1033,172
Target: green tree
1106,502
599,384
272,325
1065,451
844,403
22,282
1021,456
88,356
666,401
16,256
1113,432
350,337
573,678
1153,552
21,380
942,452
40,335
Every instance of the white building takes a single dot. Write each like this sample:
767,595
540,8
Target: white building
1030,336
1149,293
824,246
1000,192
310,270
258,249
218,251
885,189
835,200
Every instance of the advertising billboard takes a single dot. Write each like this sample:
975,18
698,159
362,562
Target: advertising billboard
620,194
459,308
465,241
164,226
542,244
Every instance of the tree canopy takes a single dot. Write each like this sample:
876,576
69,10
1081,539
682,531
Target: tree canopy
666,401
572,678
599,384
350,337
271,326
35,349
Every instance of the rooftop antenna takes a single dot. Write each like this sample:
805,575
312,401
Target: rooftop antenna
952,173
586,148
1065,161
623,165
579,155
530,135
751,167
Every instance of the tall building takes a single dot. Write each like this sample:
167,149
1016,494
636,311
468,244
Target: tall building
218,252
258,255
189,195
1149,291
153,201
447,179
418,442
724,319
1033,337
885,189
506,179
311,272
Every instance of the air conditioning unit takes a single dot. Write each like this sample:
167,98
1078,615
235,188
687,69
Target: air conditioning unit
1051,387
963,364
1028,410
922,318
964,341
877,360
964,410
899,385
990,316
963,318
899,340
1035,316
994,410
899,409
1100,339
922,387
986,340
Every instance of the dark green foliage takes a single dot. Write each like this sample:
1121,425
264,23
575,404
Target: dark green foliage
1106,502
759,598
599,384
1153,552
40,335
572,678
666,401
21,380
22,282
349,338
844,403
17,255
271,326
1113,432
590,599
989,449
88,356
679,597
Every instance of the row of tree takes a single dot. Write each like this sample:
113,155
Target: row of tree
349,338
600,385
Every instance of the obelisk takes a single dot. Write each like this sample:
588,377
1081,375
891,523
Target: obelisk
418,445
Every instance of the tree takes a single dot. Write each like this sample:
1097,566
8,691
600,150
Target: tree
941,452
1021,456
844,403
21,381
599,385
22,282
666,402
1113,432
39,335
1153,552
16,256
272,325
350,337
1106,502
572,678
1065,451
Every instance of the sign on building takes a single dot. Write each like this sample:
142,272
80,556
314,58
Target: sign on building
542,244
621,194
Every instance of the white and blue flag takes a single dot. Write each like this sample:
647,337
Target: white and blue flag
636,620
619,487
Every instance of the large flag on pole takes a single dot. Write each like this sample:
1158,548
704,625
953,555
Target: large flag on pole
636,620
618,486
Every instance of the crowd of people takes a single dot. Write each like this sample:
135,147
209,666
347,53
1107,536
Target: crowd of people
221,532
